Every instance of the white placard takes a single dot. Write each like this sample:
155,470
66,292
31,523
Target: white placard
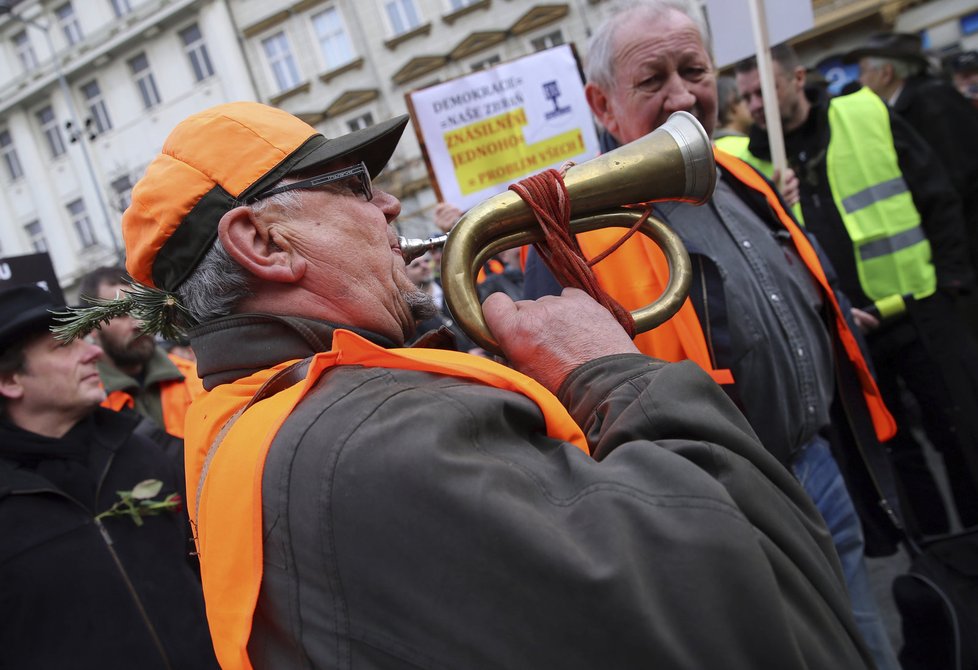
483,131
730,26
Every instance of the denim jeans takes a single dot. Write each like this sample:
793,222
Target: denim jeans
819,475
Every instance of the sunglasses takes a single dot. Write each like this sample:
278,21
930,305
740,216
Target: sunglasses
358,172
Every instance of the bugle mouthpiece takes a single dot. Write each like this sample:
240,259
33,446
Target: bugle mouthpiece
413,248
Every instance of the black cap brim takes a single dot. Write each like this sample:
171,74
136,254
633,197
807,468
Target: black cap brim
374,146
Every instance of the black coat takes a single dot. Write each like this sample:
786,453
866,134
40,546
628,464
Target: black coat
76,592
949,124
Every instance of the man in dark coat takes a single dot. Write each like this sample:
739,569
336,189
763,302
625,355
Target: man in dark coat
86,578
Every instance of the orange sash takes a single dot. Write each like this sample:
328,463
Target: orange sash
229,524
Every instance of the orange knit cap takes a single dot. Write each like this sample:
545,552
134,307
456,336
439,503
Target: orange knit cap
211,163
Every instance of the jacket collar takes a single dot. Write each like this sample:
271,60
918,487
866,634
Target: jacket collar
109,429
261,341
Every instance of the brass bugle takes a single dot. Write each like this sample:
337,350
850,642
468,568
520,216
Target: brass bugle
673,162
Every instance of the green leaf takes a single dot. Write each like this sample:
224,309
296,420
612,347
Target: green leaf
146,489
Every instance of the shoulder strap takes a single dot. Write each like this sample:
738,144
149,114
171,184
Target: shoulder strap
280,381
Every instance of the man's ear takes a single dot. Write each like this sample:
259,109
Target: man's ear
601,107
10,386
250,243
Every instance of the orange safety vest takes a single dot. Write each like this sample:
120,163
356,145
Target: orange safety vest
175,396
228,514
682,337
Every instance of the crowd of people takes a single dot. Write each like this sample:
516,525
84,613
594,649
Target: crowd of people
334,475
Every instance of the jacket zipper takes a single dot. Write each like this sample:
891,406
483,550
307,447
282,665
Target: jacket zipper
103,531
132,592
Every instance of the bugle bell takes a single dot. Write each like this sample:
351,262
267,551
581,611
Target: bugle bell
673,162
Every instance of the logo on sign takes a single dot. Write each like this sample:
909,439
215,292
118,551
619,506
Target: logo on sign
551,91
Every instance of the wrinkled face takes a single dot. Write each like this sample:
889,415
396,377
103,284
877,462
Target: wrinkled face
661,67
58,380
790,87
122,338
352,258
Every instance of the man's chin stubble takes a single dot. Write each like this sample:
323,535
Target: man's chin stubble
420,303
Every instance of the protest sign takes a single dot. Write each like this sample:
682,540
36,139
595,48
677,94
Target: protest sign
731,26
481,132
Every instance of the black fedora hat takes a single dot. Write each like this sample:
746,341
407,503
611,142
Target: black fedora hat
902,46
24,310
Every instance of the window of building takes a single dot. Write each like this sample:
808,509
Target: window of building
403,15
25,51
360,122
51,131
97,111
485,63
121,8
143,76
35,236
280,60
334,43
9,153
122,186
196,50
81,223
69,23
556,38
462,4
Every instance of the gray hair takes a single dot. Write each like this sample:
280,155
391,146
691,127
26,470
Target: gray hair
902,69
600,62
218,284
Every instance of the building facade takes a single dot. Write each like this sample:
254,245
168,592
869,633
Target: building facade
77,129
88,91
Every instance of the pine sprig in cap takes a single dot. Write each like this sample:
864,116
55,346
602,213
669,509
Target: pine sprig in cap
159,311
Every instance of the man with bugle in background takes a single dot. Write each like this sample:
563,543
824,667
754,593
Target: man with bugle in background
762,317
361,504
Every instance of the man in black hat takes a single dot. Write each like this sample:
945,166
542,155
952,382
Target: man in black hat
895,68
87,579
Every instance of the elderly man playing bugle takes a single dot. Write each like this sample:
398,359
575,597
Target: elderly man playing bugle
362,505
